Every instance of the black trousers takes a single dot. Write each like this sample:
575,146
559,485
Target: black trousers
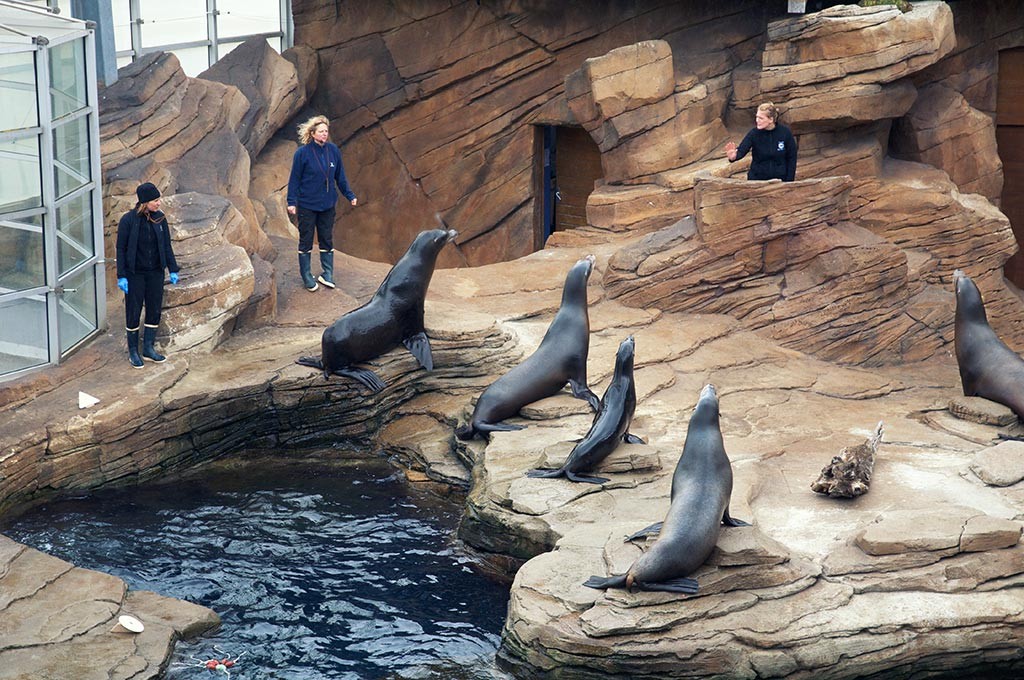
320,220
144,288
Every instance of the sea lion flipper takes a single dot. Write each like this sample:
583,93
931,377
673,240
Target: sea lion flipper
363,376
540,473
603,583
632,439
677,585
573,477
581,391
310,361
647,531
419,346
497,427
732,521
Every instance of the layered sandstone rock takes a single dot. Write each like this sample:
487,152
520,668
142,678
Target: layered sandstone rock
783,258
627,101
182,134
268,81
846,65
943,130
57,621
217,277
449,133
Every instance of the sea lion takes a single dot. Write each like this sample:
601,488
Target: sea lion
560,359
701,488
611,423
393,316
988,368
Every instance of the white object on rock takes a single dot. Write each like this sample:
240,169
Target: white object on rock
127,624
86,400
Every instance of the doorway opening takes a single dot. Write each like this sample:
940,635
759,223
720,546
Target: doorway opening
1010,142
569,165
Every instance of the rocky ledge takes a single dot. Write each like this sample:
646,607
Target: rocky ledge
922,572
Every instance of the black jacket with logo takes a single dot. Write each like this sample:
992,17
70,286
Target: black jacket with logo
774,153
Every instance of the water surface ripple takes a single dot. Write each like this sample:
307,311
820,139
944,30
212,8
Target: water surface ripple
318,574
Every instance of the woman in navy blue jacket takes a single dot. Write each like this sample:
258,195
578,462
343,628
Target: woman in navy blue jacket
143,253
772,144
316,171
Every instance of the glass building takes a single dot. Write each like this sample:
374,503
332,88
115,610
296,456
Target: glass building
198,32
51,229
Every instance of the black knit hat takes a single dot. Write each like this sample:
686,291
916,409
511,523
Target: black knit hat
147,192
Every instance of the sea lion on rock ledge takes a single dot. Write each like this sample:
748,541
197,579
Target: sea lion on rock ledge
701,489
988,368
561,358
611,424
393,316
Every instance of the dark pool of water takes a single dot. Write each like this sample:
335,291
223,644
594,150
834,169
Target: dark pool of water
318,574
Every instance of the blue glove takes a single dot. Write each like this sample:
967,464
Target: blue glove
174,277
123,285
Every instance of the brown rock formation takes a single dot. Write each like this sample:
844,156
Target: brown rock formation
57,619
626,100
943,130
450,131
807,277
843,66
217,276
758,287
269,82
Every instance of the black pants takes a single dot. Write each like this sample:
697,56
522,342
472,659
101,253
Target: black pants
144,288
323,222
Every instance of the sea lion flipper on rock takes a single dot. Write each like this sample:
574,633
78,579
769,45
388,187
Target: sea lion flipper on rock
310,361
646,531
581,391
467,432
541,473
632,439
732,521
573,477
677,585
605,582
364,376
419,346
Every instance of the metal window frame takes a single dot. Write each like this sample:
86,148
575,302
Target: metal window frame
213,40
51,290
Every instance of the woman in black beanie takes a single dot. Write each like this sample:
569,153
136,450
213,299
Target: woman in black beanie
143,253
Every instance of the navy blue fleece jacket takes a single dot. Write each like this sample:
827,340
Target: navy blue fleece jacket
316,171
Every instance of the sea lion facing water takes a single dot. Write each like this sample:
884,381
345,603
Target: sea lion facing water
988,368
611,424
701,489
561,358
393,316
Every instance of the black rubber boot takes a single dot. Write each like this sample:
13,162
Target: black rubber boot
307,276
327,264
148,351
133,348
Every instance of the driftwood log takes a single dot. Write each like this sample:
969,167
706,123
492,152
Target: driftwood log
849,473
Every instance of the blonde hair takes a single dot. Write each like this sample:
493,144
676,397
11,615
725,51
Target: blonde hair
769,110
306,129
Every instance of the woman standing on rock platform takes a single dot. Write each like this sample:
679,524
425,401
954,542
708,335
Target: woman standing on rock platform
316,171
773,146
143,253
